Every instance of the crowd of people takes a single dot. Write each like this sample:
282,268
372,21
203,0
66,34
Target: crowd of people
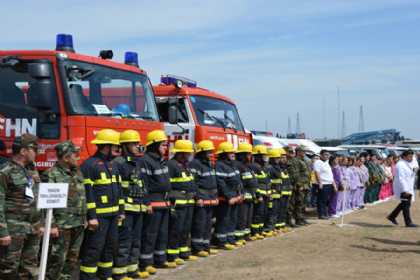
130,213
343,184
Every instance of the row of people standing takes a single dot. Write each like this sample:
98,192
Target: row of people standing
129,214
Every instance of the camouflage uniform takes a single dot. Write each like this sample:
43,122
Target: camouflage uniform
64,252
19,217
300,178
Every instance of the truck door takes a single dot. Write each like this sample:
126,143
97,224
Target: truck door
184,126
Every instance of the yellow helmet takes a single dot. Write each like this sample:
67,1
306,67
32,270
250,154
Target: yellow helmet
244,148
106,136
205,145
274,153
225,147
156,136
282,152
259,150
183,146
130,136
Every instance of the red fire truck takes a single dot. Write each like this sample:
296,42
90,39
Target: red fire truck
191,112
60,94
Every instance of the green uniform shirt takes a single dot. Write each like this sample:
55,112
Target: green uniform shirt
18,193
299,172
75,213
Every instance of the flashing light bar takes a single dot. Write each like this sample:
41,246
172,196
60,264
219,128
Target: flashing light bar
174,80
131,58
64,42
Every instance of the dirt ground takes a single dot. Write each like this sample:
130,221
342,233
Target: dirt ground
369,248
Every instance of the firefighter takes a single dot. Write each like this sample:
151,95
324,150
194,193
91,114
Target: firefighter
105,207
286,191
206,199
263,192
276,182
250,185
126,263
182,196
229,185
153,168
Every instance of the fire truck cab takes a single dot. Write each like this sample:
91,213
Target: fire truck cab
60,94
194,113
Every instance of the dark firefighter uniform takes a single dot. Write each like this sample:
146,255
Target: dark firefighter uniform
182,197
154,171
286,193
206,184
104,203
130,230
263,193
229,186
250,185
275,182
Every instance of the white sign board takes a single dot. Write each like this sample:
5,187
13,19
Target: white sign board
52,195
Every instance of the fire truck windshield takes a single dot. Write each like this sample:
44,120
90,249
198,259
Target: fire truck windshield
216,112
99,90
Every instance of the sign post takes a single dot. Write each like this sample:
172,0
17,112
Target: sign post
51,195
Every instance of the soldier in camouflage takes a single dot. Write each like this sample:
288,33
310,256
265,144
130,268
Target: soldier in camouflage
299,173
20,221
68,223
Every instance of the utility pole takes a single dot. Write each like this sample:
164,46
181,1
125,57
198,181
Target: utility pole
343,125
297,123
361,120
324,118
338,112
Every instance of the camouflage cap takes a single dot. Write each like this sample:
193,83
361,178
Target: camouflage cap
300,148
65,148
26,141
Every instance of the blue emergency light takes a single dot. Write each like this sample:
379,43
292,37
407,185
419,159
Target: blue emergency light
174,80
131,58
64,42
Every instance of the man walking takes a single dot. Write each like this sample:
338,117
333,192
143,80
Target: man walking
404,189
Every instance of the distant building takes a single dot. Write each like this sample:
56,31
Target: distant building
373,137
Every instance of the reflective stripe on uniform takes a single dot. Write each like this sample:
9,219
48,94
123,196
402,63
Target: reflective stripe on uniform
276,196
172,251
121,201
182,179
286,192
125,184
159,252
88,269
184,249
107,210
247,175
132,267
146,256
91,205
105,264
275,181
119,270
197,240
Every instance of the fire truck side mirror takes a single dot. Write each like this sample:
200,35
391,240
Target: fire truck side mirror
172,114
39,70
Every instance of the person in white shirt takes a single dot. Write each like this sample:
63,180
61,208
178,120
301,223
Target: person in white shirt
404,188
325,184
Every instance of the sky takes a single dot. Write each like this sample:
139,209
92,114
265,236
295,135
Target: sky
273,58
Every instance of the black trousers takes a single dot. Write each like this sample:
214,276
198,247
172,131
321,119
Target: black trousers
201,228
226,219
98,250
404,206
272,217
324,198
180,221
258,219
283,210
154,238
245,212
128,257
